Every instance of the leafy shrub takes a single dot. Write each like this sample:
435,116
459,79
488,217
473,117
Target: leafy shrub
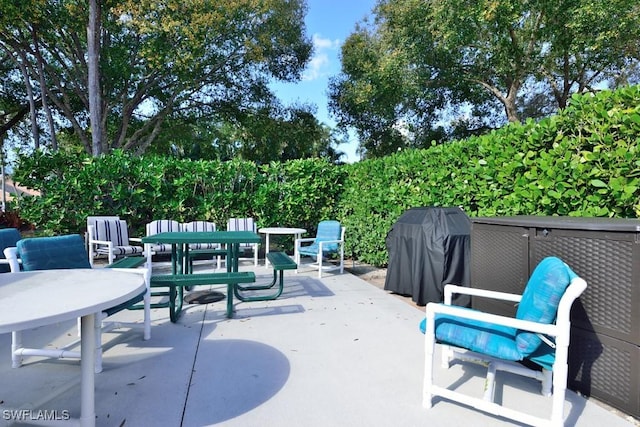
583,161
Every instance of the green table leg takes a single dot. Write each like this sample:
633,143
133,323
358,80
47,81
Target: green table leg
232,266
230,292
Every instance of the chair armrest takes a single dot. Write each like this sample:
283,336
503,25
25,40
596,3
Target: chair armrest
449,290
100,242
324,242
304,240
461,312
11,258
135,239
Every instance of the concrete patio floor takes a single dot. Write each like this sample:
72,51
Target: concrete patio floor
331,352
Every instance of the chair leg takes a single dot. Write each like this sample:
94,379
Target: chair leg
547,378
427,396
255,254
490,382
559,390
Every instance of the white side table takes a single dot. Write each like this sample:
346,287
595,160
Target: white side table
296,232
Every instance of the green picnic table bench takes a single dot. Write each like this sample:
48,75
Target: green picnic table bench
235,282
279,262
177,282
127,262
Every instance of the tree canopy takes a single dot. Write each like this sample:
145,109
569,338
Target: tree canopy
160,63
428,70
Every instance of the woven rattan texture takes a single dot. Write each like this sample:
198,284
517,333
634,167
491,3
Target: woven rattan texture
605,368
611,300
499,261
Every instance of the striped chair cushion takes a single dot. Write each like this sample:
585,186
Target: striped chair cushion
162,226
115,231
201,226
242,224
112,230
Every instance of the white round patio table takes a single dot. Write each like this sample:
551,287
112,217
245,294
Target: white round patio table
296,232
38,298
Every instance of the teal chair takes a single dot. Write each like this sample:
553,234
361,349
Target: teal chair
329,241
67,252
539,334
8,238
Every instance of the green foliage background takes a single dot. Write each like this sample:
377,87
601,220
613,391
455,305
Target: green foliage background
583,161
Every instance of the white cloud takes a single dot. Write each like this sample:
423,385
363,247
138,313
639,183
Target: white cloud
317,67
320,63
320,43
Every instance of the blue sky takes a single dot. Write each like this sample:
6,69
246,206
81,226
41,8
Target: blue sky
329,23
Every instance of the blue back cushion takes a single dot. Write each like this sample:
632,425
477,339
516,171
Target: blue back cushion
8,239
53,253
540,299
328,230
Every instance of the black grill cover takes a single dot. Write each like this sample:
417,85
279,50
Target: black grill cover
428,248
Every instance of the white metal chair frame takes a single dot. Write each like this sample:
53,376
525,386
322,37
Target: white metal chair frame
96,246
560,331
18,351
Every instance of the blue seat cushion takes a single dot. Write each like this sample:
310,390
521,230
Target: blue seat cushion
541,298
482,337
539,304
53,253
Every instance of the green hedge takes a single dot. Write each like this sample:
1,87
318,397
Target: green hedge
583,161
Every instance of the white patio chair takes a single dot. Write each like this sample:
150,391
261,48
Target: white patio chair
245,224
162,226
110,236
539,334
329,241
207,249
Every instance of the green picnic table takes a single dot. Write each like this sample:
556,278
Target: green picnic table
180,277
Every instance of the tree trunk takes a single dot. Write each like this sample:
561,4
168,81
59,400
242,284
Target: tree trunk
509,102
32,102
93,65
44,94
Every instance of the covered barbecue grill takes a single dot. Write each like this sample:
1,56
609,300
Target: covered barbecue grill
428,248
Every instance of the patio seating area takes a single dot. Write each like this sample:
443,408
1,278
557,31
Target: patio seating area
335,351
